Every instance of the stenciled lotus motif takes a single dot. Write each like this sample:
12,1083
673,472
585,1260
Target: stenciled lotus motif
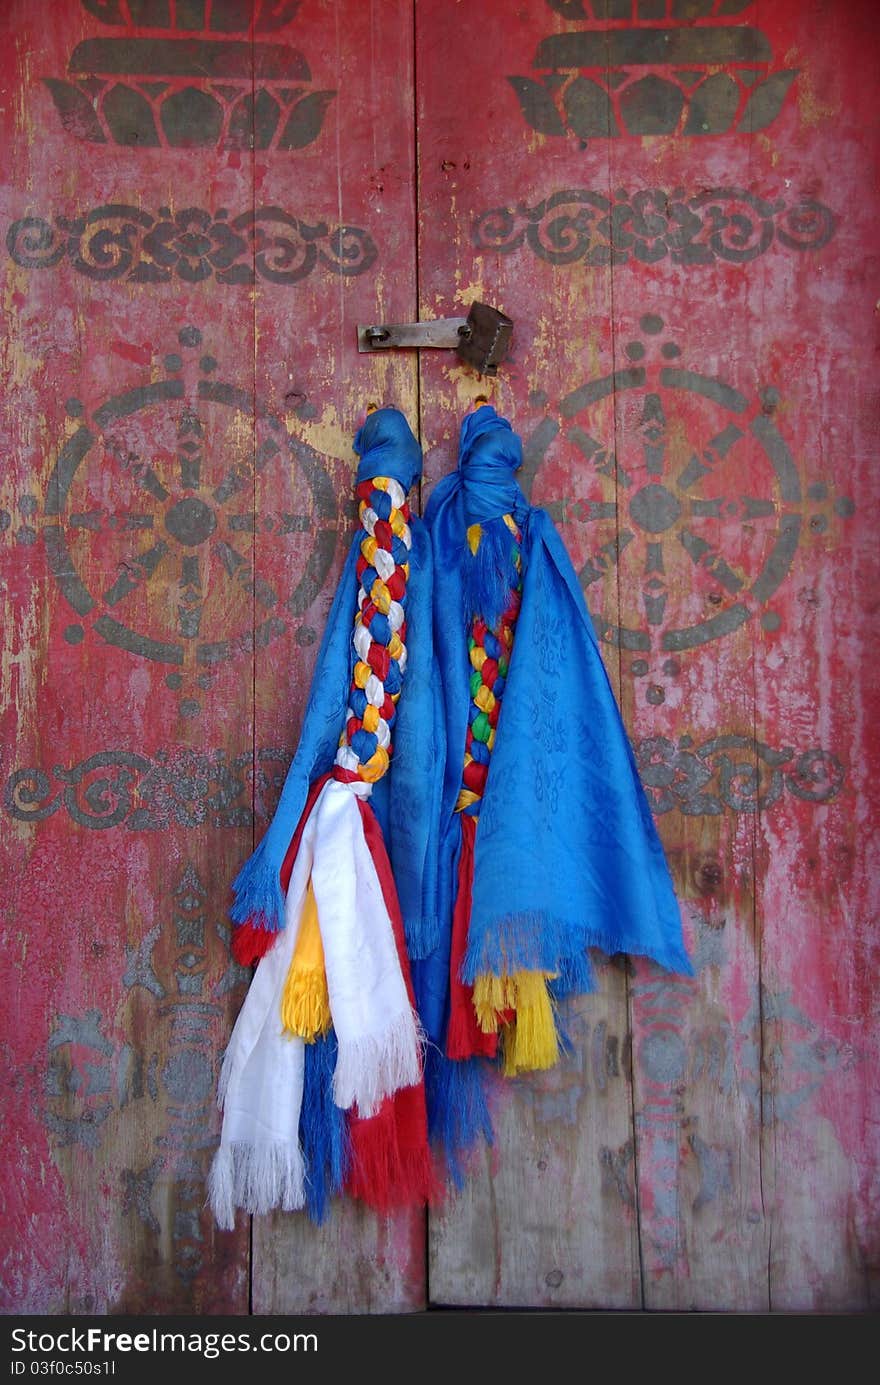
650,78
211,84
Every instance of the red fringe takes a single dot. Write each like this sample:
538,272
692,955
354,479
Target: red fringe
464,1037
249,944
391,1164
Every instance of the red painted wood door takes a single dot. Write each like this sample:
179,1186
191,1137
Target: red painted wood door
673,199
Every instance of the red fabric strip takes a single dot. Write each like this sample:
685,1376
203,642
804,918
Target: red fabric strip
290,856
464,1037
249,944
391,1164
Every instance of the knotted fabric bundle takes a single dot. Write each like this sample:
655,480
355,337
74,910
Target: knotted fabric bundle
547,844
322,1080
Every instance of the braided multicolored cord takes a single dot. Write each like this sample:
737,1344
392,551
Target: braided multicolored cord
379,637
364,754
489,652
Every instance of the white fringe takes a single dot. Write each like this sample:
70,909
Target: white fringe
257,1178
373,1066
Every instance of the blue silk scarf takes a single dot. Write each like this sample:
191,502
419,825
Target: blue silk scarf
406,799
567,856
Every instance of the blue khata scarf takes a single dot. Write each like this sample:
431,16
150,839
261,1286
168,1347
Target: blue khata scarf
406,800
566,855
302,1119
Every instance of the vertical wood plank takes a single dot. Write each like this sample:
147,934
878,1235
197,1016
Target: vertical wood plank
718,208
548,1216
750,1213
127,725
356,183
687,697
818,880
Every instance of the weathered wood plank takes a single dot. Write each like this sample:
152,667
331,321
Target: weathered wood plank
687,696
126,787
356,180
818,877
355,1262
715,246
548,1217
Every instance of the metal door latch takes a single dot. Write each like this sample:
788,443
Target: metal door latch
481,340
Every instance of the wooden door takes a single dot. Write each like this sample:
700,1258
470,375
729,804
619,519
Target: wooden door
673,199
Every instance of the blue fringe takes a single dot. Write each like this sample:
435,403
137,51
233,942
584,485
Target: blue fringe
534,941
489,574
575,977
257,891
422,937
323,1129
458,1113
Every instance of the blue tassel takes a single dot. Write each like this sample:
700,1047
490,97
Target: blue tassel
323,1129
257,891
575,976
458,1113
530,941
489,574
422,936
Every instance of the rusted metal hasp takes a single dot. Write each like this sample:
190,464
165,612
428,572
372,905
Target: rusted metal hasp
482,339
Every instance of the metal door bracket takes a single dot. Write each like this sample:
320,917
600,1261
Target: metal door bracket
482,339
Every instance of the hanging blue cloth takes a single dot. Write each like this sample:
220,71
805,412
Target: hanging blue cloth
567,856
406,800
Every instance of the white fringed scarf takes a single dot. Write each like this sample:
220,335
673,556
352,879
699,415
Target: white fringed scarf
259,1165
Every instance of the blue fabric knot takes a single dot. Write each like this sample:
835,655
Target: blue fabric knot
386,447
405,799
380,628
364,744
489,453
381,503
358,702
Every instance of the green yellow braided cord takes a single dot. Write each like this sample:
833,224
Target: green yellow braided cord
517,1004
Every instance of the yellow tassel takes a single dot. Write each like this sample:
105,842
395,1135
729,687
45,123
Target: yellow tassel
531,1043
305,1001
474,534
491,994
